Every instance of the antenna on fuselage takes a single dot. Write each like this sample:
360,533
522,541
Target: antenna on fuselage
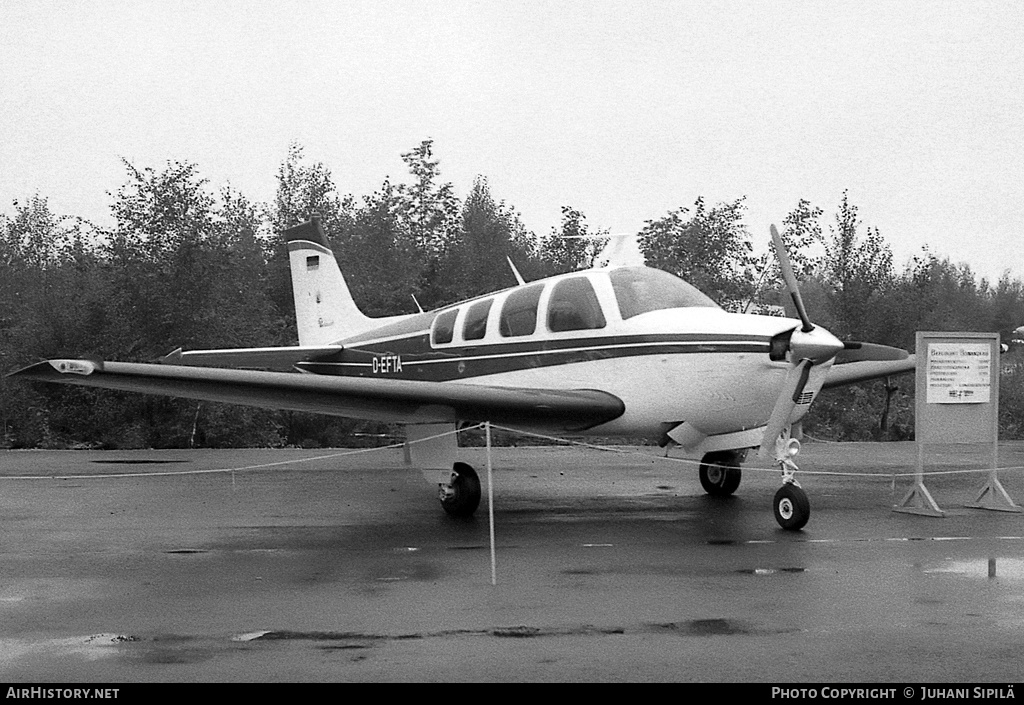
417,303
519,277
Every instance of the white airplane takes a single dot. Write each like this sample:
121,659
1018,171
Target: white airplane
622,350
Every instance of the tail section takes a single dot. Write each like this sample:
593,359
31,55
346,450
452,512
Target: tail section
324,309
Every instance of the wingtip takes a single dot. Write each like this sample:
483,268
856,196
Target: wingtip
50,368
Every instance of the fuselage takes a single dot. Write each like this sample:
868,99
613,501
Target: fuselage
669,352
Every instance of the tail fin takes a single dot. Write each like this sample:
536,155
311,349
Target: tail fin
324,309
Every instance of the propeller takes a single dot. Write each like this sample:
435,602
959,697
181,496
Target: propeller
855,351
790,279
807,346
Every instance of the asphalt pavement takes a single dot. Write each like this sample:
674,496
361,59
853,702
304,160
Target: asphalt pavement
323,565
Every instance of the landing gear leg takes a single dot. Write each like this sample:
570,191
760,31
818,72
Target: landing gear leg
461,496
791,506
720,472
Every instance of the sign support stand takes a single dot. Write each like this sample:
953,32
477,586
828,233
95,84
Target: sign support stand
919,500
993,495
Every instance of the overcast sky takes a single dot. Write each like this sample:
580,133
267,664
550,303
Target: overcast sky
623,110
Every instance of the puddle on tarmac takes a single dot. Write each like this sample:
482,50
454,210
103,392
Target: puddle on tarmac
138,461
1008,568
770,571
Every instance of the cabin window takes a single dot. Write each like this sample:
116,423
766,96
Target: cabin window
574,306
519,314
642,289
444,327
475,326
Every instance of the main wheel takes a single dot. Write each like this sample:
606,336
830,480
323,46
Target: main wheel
720,474
792,509
463,494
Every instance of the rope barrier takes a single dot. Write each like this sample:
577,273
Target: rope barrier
564,441
611,449
245,468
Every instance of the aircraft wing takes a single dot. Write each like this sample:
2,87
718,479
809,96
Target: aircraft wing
851,372
390,400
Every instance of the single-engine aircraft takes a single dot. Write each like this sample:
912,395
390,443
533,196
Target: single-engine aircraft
613,351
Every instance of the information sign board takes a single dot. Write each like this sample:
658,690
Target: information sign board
959,373
957,387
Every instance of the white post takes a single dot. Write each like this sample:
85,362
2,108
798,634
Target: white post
490,503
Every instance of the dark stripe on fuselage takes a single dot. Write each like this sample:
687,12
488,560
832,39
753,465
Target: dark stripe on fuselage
413,358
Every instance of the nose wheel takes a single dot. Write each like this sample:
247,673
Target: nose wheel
792,508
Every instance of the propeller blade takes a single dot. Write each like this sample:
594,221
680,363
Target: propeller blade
790,279
787,401
855,351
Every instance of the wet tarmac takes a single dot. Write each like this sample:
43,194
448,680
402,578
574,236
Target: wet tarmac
609,567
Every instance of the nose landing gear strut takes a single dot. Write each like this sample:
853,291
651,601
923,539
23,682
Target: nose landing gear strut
791,506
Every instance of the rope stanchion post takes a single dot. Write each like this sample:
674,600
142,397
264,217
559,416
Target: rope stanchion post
490,503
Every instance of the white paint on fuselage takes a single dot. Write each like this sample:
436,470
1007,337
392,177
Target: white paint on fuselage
716,392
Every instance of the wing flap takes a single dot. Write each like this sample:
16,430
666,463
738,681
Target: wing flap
280,358
390,400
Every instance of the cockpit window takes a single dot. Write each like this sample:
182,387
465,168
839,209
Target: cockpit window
574,306
519,314
475,326
444,326
642,289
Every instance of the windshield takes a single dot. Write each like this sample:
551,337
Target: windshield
642,289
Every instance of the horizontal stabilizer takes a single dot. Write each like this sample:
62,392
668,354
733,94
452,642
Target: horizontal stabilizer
389,400
281,358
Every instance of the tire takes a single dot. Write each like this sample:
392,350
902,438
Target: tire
466,485
720,474
792,508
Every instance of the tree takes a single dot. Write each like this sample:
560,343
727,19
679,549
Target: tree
474,261
571,246
378,256
430,209
855,271
710,248
46,287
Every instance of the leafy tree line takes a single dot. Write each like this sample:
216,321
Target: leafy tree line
185,266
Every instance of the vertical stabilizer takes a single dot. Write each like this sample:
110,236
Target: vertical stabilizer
324,309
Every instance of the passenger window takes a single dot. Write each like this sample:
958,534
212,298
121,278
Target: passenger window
519,314
444,327
574,306
475,326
